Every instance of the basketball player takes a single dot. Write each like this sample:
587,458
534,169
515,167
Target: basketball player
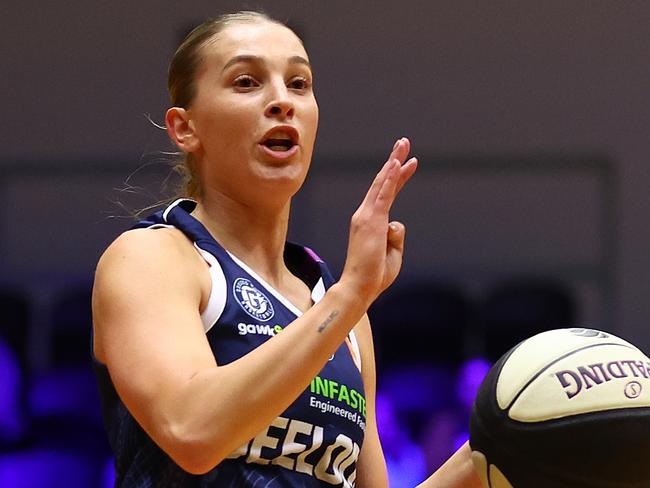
227,357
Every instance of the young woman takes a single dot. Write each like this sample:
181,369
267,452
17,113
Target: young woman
225,355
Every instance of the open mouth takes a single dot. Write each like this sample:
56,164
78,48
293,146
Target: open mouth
280,139
277,144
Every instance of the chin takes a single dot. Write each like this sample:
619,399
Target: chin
286,181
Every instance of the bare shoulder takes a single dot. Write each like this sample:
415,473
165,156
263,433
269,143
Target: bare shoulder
139,246
156,259
144,273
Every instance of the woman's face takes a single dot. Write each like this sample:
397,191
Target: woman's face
254,114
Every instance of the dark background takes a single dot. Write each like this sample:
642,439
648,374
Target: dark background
531,121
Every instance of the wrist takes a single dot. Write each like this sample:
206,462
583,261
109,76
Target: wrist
349,298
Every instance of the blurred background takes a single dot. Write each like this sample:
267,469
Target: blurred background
529,212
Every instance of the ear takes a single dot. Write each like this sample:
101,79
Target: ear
180,129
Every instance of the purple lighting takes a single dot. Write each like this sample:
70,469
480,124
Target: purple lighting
11,419
470,376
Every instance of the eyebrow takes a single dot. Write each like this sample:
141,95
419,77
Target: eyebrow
250,58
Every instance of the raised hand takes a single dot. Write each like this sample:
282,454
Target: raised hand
376,245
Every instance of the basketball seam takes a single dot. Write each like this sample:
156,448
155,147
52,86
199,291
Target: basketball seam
539,373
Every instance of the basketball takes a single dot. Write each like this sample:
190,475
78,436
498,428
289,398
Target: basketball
567,408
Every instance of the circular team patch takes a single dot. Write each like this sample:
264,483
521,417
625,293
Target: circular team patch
254,302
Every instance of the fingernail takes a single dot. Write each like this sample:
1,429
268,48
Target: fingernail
396,144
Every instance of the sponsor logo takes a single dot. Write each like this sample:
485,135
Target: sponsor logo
339,392
258,329
633,389
253,301
262,329
305,448
327,407
573,381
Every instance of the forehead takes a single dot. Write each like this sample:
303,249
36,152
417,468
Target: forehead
264,39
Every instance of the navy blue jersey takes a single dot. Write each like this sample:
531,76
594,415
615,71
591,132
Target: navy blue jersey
313,443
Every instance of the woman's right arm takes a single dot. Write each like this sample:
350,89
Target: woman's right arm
149,333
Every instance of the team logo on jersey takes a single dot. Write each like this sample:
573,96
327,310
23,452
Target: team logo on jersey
254,302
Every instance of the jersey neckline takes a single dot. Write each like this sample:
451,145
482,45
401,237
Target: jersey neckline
188,205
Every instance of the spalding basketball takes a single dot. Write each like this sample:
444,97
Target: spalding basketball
567,408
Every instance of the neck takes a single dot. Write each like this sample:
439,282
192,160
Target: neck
256,234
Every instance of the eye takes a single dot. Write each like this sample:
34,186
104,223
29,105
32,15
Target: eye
299,83
245,81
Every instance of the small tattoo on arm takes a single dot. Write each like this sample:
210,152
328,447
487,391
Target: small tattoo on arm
328,320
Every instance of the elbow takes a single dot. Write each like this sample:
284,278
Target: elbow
192,450
193,462
195,468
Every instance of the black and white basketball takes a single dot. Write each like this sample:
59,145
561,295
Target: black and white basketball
567,408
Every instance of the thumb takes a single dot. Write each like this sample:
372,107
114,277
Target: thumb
396,236
394,252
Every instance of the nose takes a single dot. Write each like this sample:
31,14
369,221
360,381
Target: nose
280,105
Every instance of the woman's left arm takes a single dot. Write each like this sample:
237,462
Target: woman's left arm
371,467
457,472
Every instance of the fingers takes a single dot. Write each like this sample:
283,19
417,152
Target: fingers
401,150
377,183
406,171
386,190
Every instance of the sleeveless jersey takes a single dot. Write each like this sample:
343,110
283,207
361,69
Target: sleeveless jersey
315,442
